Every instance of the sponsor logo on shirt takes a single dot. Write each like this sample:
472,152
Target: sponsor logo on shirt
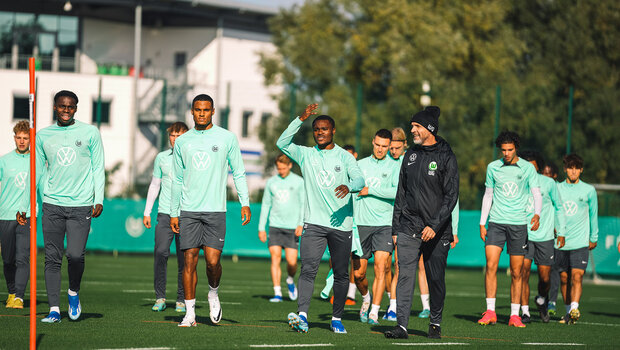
282,196
200,160
20,180
65,156
570,208
530,205
510,189
373,182
325,178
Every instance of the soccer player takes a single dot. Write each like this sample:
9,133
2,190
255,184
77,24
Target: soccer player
581,211
508,183
330,176
551,170
541,242
283,201
427,193
71,154
15,238
161,185
373,208
198,207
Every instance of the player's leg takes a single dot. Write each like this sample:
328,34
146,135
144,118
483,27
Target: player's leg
180,304
7,242
494,244
578,262
275,251
189,285
554,285
78,228
423,285
360,266
544,258
517,246
213,227
390,315
54,227
22,263
339,244
163,239
525,289
290,255
436,257
378,285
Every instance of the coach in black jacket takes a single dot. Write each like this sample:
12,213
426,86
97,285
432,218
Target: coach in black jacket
427,192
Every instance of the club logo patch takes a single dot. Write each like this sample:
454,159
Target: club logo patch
510,189
78,143
200,160
337,168
325,179
432,166
65,156
215,148
570,208
20,180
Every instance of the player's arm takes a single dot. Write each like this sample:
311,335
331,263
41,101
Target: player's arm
40,164
265,208
178,169
487,201
302,200
356,178
559,218
151,196
593,213
387,190
535,189
450,186
455,224
98,169
235,161
285,141
399,200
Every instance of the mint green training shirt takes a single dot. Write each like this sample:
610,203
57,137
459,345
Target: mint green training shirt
581,211
381,177
323,171
283,202
14,184
511,186
200,170
551,209
162,169
73,159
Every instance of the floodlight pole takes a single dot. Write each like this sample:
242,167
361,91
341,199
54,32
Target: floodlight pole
33,209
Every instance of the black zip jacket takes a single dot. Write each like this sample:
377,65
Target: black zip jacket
428,188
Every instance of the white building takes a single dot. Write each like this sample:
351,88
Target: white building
87,46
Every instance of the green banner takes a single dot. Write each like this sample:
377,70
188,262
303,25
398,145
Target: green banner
120,229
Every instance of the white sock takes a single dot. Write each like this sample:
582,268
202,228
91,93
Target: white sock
374,309
190,308
213,292
351,292
514,309
277,291
392,305
574,305
336,318
426,305
525,310
290,280
389,295
491,304
567,308
366,298
72,293
55,308
303,314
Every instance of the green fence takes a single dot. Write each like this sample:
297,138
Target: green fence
120,229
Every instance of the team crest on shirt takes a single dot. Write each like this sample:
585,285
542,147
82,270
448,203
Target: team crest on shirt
282,196
20,180
325,179
570,208
384,175
510,189
373,182
78,143
432,167
200,160
215,148
337,168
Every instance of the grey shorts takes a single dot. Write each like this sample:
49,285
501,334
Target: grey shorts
515,237
572,259
541,252
282,237
375,238
201,229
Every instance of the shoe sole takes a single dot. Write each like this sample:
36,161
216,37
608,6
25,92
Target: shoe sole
574,316
193,324
487,323
293,321
50,321
157,309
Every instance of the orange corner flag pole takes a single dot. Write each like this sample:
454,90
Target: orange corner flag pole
33,212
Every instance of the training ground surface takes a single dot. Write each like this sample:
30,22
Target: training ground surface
117,295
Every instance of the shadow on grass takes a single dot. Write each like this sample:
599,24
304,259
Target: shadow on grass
609,314
383,329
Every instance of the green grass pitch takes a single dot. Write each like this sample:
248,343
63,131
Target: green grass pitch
117,295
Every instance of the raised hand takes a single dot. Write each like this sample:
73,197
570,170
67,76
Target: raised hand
310,110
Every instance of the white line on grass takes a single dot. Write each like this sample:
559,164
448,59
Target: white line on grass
425,344
554,344
137,349
288,345
600,324
138,291
205,302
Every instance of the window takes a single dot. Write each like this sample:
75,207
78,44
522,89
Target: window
265,117
245,126
105,111
180,59
21,107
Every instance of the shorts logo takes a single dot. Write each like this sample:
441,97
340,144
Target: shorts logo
325,179
78,143
20,180
337,168
215,148
282,196
570,208
373,182
200,160
65,156
432,166
510,189
134,226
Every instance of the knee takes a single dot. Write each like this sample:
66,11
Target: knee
162,252
577,278
564,278
75,257
359,275
516,274
491,268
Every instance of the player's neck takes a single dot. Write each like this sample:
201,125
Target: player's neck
568,180
27,151
204,127
65,125
328,146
